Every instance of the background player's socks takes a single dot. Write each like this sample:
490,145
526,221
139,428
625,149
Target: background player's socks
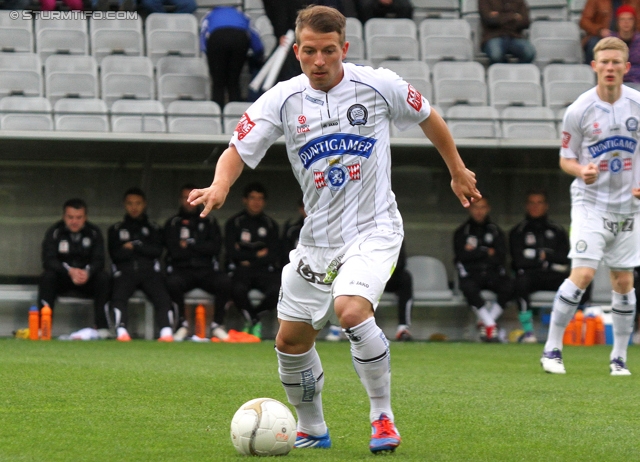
623,311
564,307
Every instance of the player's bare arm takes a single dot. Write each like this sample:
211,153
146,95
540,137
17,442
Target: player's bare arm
228,169
463,180
589,172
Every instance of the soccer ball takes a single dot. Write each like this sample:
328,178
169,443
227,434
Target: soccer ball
263,427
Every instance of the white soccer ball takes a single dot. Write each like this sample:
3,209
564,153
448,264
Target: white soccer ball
263,427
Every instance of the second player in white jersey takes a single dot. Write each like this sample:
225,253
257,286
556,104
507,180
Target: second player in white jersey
338,145
607,135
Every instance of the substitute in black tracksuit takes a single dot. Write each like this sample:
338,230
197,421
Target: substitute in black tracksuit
73,261
135,246
193,248
480,250
539,250
252,243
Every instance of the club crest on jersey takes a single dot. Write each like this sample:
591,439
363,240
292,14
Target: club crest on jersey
335,144
357,115
613,143
336,176
615,165
245,124
414,98
632,124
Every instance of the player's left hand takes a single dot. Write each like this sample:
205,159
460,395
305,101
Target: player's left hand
212,198
464,187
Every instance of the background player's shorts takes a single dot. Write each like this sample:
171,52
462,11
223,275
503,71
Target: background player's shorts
613,238
366,266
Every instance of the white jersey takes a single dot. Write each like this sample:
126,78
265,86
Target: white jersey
606,135
338,147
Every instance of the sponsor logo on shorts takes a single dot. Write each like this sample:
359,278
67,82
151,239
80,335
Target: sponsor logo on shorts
581,246
245,125
618,227
310,276
613,143
357,115
359,283
414,98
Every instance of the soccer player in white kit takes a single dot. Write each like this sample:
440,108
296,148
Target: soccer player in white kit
600,148
335,119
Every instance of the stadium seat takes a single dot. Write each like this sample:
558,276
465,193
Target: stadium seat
379,48
231,114
130,116
254,8
575,10
16,35
171,34
20,74
430,284
263,26
473,121
544,10
182,78
20,113
415,72
459,83
435,9
70,77
354,28
121,37
469,12
390,27
203,117
81,115
563,83
127,77
529,123
514,85
445,39
61,36
556,42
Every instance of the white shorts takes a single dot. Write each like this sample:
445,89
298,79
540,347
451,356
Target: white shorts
366,266
612,238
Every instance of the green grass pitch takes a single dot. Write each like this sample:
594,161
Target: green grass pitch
148,401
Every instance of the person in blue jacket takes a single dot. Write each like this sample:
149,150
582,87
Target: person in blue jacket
226,38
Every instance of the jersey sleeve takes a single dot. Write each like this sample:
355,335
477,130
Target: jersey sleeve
409,107
571,135
259,127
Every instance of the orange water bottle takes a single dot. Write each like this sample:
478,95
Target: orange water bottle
600,337
590,331
34,323
45,323
569,333
201,323
579,323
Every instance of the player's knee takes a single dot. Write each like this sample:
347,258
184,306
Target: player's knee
352,310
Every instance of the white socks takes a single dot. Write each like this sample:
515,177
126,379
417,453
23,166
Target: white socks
623,311
484,315
371,360
496,311
564,307
302,378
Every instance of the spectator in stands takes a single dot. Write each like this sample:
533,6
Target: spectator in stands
539,250
50,5
480,250
177,6
73,261
252,243
368,9
626,17
121,5
598,21
193,247
135,246
226,37
503,22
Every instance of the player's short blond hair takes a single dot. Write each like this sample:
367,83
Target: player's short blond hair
321,19
611,43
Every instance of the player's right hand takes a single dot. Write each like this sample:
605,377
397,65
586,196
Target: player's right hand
589,173
212,198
